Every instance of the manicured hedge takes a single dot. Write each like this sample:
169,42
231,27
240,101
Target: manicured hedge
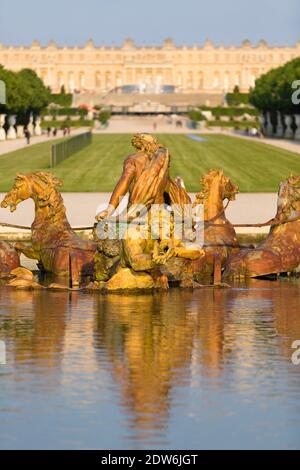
218,111
65,112
196,115
62,99
236,99
235,124
233,112
67,123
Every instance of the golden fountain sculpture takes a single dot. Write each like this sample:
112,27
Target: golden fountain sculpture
160,240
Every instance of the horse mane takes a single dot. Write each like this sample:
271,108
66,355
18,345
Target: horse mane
205,182
49,195
293,181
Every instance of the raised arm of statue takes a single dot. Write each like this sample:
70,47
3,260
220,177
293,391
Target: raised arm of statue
121,188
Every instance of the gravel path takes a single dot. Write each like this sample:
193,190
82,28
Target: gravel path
11,145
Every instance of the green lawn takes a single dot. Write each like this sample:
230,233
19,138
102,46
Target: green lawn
252,165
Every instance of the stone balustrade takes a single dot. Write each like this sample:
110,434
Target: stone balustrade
285,126
17,131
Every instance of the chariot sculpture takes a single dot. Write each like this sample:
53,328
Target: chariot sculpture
159,240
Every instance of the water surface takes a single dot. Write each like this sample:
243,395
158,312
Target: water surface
208,369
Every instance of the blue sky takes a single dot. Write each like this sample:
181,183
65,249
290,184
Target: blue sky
149,22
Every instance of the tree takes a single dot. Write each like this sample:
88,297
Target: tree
25,92
35,92
104,117
15,102
273,90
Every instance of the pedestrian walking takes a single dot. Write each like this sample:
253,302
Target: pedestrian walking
27,136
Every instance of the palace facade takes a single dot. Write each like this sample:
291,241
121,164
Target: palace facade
129,69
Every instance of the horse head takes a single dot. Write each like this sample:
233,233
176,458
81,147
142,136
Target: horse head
215,187
40,186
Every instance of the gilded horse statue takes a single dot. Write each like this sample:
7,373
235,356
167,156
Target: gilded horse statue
183,262
218,234
280,252
58,249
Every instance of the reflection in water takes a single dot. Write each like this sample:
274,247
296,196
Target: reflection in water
172,369
149,346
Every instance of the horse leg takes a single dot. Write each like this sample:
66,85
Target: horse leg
217,268
75,268
27,250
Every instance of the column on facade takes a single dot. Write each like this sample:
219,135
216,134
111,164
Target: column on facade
158,80
90,83
169,77
179,80
128,77
138,76
148,79
207,79
216,80
200,80
118,79
244,79
60,81
237,79
226,81
189,80
52,79
131,76
71,82
96,79
81,79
